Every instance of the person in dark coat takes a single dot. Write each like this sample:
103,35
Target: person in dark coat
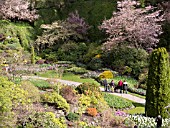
105,85
158,120
112,86
135,126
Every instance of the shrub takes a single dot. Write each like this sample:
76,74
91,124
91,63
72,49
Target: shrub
93,50
72,51
11,96
126,70
101,104
139,91
106,118
69,94
118,122
33,92
143,86
142,79
32,55
77,70
119,57
95,64
106,74
87,88
55,99
91,95
72,116
91,74
84,102
44,120
92,111
40,61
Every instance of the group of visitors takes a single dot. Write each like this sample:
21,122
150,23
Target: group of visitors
111,87
123,86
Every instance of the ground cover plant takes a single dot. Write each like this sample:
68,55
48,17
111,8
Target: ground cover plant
117,102
41,84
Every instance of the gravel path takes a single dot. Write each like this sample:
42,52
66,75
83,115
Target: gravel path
66,82
71,83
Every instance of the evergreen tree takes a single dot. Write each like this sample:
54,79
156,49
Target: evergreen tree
32,55
158,84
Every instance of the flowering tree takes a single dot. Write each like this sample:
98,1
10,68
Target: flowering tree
139,26
80,26
166,8
17,10
73,28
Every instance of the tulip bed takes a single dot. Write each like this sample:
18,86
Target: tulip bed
147,122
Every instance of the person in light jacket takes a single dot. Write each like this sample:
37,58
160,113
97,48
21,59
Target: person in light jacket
125,86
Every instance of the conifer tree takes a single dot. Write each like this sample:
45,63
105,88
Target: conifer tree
158,84
32,55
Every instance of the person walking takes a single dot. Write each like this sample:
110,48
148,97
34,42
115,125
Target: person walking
120,85
105,85
125,86
112,86
158,120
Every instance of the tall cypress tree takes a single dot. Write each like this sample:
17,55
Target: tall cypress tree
158,84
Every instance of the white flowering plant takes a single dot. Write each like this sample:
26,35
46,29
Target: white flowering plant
147,122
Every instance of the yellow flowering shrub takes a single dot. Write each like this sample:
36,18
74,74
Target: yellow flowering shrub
106,74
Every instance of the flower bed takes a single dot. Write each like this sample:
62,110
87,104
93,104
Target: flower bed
137,91
147,122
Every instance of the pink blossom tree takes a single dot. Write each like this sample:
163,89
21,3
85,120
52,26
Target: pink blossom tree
138,26
166,7
80,26
73,28
17,10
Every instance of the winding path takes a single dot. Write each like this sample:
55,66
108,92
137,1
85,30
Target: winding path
71,83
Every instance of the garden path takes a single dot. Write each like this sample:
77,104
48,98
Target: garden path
126,96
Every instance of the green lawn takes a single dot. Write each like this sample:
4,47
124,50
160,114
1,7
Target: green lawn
76,78
66,76
48,74
139,109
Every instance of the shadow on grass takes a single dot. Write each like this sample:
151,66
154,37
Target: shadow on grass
138,104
